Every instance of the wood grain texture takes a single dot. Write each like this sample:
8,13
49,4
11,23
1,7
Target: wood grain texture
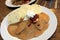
4,10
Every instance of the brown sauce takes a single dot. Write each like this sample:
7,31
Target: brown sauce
22,31
20,2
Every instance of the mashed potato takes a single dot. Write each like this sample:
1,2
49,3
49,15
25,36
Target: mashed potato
21,12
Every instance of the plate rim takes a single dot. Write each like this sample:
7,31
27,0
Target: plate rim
7,4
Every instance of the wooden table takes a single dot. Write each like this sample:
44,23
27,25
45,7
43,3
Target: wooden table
4,10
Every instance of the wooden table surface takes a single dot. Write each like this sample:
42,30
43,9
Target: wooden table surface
4,10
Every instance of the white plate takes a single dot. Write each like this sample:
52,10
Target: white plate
47,34
9,3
